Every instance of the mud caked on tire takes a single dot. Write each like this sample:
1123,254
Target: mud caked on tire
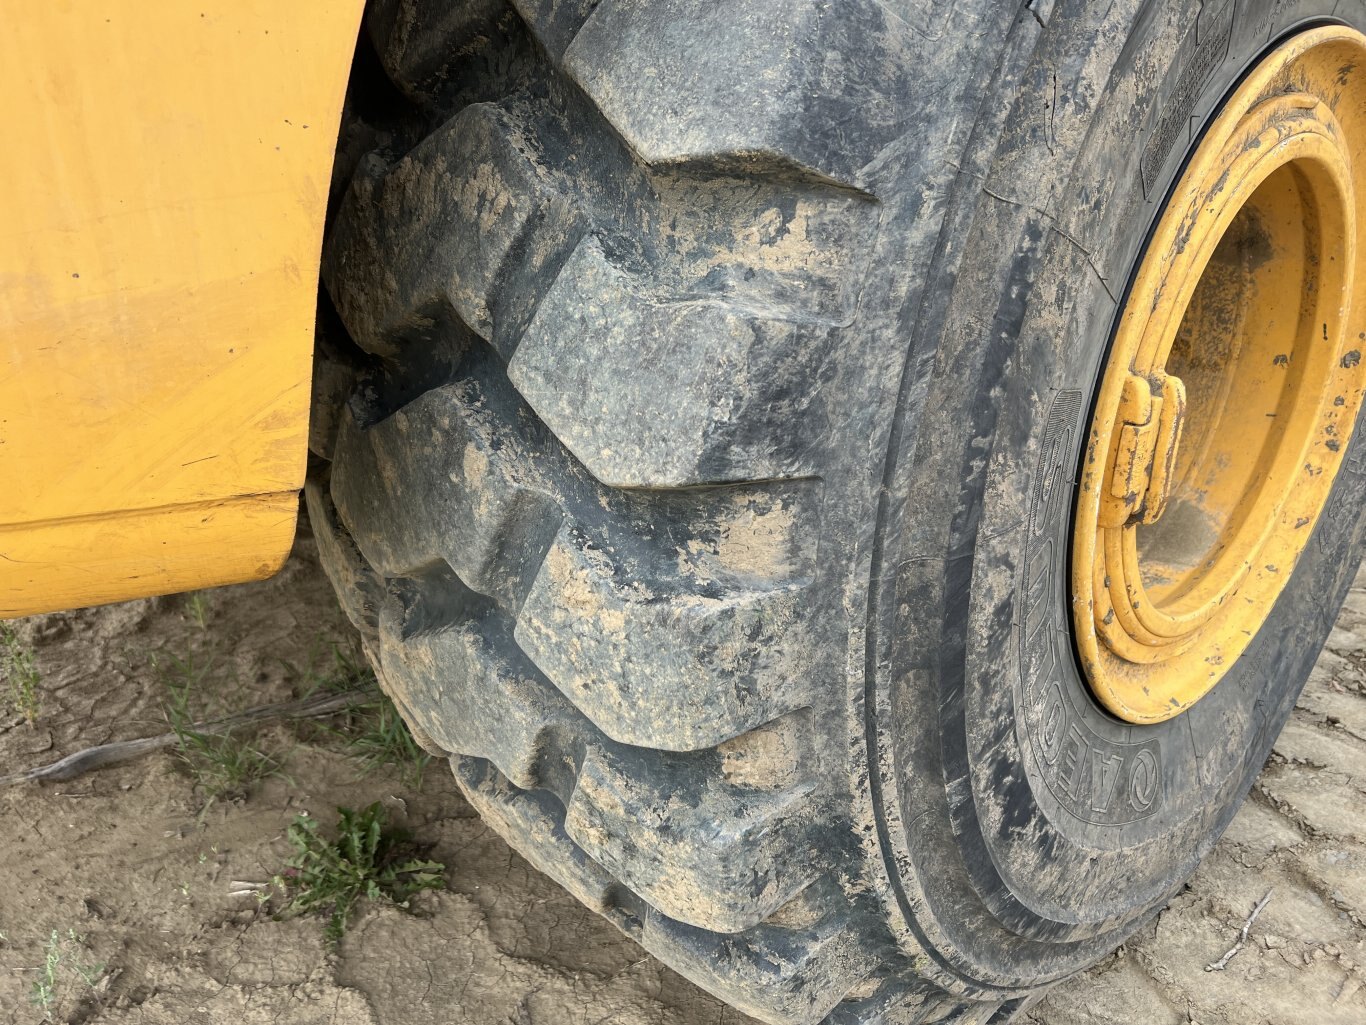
698,460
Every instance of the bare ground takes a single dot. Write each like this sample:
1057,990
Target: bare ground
118,886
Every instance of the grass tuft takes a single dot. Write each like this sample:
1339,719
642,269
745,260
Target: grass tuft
222,765
21,672
381,739
62,958
374,733
343,669
197,607
370,859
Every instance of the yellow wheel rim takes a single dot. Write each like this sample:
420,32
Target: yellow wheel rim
1232,385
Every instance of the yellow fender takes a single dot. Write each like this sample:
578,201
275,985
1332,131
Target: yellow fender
162,185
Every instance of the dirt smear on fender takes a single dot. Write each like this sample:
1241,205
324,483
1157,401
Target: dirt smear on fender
123,898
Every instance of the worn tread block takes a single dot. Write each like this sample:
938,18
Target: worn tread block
334,380
808,84
530,821
411,722
699,836
421,42
715,856
670,393
694,845
469,693
678,670
784,248
709,838
454,215
555,23
360,590
793,972
789,972
453,483
890,999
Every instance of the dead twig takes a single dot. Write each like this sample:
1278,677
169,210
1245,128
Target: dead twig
104,755
1222,963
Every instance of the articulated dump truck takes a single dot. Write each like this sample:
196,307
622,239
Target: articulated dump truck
853,488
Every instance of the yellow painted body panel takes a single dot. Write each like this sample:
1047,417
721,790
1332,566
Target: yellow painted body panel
163,181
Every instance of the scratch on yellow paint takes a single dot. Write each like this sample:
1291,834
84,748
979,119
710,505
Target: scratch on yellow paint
164,177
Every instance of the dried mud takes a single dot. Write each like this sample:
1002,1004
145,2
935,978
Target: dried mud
134,876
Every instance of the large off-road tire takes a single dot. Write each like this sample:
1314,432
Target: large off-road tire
696,456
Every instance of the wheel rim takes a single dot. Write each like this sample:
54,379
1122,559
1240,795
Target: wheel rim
1231,388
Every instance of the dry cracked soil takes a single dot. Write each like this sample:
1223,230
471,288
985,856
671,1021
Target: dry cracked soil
127,897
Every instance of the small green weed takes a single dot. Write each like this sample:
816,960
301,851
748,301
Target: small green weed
340,670
381,738
222,765
197,608
374,732
20,670
369,859
63,958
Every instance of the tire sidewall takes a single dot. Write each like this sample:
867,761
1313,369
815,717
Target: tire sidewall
1045,829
